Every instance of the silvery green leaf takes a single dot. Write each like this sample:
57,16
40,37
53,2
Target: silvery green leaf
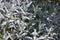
14,2
12,26
18,35
28,37
7,5
12,8
19,1
41,37
22,11
24,34
2,10
28,5
8,15
4,23
0,0
43,24
1,16
6,9
10,20
9,36
1,5
34,33
24,17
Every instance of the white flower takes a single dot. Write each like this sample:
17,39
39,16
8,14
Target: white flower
46,11
53,14
49,19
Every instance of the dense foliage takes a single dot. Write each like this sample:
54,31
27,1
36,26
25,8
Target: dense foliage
29,19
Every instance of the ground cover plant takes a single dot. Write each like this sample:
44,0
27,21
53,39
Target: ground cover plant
29,19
